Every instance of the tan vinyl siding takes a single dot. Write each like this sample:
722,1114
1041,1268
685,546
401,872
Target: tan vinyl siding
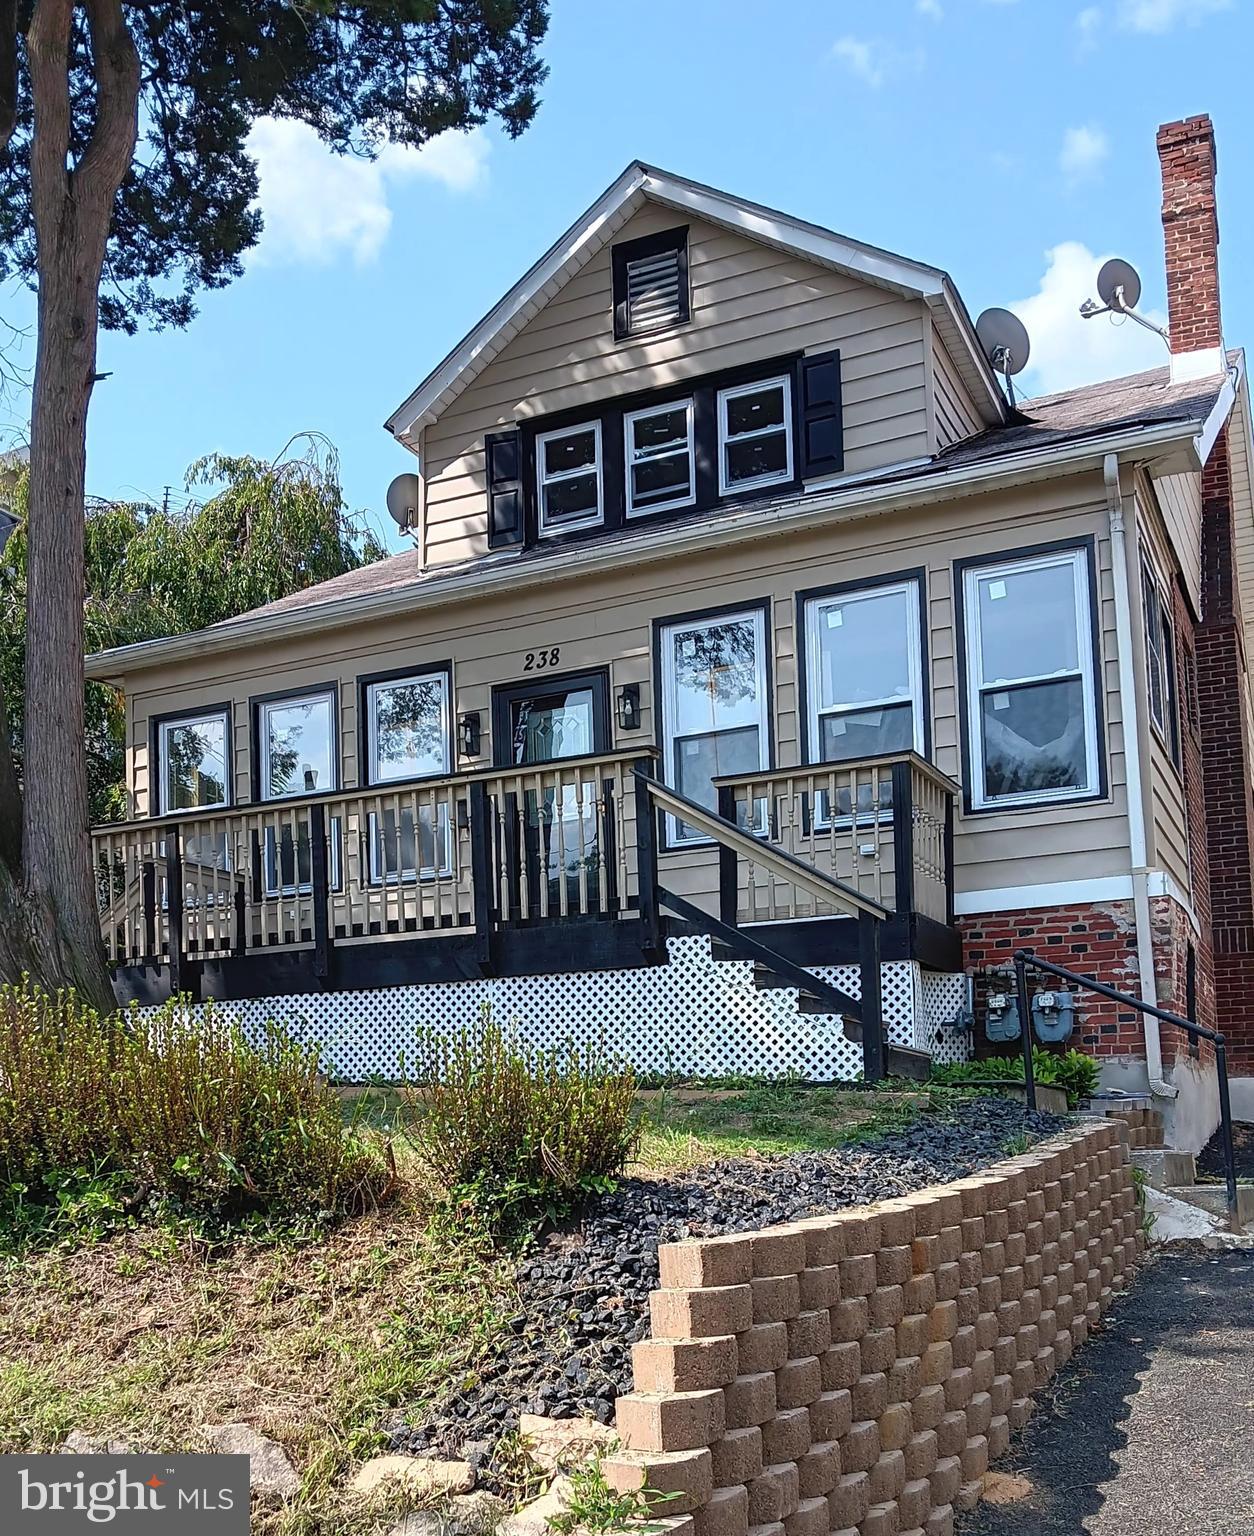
1242,473
1166,809
749,302
1180,501
607,620
956,415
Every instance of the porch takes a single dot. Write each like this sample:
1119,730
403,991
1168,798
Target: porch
579,865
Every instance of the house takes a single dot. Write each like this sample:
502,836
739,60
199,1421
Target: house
757,665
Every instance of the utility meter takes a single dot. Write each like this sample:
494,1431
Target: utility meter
1001,1020
1053,1016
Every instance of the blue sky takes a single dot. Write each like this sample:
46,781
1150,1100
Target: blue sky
1008,141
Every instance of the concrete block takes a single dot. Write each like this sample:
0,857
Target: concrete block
700,1313
709,1261
683,1365
670,1421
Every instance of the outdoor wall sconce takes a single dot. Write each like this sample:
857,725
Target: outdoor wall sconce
468,733
629,707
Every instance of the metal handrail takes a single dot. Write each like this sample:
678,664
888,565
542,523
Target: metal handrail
786,865
1027,957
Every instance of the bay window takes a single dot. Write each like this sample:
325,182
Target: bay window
1031,687
714,707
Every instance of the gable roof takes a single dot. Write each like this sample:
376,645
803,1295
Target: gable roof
640,184
1141,415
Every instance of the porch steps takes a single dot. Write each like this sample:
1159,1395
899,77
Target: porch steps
899,1060
1174,1174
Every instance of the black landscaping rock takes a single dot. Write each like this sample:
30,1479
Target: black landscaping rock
584,1293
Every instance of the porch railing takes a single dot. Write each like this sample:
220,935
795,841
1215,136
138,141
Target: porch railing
447,856
882,825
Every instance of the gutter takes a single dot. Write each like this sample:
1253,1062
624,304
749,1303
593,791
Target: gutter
1129,709
796,514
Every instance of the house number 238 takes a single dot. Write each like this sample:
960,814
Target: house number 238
538,661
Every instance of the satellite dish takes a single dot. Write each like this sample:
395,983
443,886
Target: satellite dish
402,501
1005,341
1114,276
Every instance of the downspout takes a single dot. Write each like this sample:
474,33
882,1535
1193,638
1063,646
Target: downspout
1131,716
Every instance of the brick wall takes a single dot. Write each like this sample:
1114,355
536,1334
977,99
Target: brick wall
1186,153
1098,940
855,1373
1193,771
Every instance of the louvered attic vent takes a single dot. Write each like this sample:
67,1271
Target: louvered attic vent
651,283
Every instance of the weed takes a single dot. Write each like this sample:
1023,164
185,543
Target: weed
592,1505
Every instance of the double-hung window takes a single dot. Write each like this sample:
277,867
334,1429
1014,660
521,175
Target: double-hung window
660,468
1031,680
755,443
1160,662
864,676
193,774
296,756
570,490
407,738
714,708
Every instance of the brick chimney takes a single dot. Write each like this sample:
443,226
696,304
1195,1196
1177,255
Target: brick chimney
1186,153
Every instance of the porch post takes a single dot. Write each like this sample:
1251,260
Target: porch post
174,904
481,870
903,837
646,859
728,894
872,1008
321,893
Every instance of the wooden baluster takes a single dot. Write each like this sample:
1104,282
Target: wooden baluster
904,851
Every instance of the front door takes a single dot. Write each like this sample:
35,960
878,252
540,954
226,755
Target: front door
552,821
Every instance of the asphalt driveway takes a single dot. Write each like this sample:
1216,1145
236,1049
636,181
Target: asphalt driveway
1150,1429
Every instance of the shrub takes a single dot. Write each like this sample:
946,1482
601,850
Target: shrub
1072,1071
516,1132
172,1107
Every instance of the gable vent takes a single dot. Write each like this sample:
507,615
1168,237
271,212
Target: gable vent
651,283
653,292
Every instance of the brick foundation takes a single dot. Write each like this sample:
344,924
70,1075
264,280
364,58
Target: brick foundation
858,1372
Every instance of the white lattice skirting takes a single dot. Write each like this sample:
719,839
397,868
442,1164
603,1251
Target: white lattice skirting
696,1016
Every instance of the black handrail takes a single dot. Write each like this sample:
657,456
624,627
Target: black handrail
1027,957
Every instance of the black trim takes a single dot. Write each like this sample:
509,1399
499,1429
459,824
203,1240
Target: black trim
633,250
764,605
255,702
537,685
703,390
821,440
1087,545
365,680
917,574
155,722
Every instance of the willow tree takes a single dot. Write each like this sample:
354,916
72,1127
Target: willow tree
126,186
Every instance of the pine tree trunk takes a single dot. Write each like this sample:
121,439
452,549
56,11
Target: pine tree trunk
73,209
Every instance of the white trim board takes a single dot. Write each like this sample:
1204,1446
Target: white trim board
1068,893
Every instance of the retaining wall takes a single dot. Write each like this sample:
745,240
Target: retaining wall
855,1373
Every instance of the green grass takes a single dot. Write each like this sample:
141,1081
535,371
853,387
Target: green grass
683,1127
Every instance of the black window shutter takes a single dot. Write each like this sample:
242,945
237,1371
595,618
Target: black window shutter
822,436
505,489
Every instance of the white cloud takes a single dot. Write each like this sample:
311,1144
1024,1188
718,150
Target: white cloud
861,58
1087,25
1083,151
1162,15
1068,350
873,62
930,8
318,205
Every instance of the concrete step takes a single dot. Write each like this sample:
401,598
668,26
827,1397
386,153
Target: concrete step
1164,1168
1214,1199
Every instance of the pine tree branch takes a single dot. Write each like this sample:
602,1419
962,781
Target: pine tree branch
8,70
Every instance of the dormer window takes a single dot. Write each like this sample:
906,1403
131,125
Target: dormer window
569,485
650,283
754,436
661,475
